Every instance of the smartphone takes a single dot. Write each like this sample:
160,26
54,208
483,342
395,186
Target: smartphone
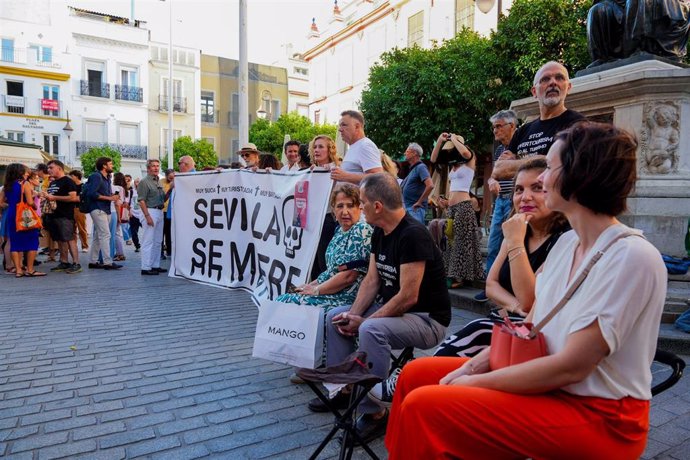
341,322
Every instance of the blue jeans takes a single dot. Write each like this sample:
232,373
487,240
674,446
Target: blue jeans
418,213
502,208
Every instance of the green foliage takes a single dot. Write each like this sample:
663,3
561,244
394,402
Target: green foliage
88,159
269,137
200,150
414,94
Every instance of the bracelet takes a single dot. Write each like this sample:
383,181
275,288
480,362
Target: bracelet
514,248
511,258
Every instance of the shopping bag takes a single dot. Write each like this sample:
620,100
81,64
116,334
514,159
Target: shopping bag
27,218
288,333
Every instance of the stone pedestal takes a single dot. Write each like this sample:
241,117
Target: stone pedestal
652,99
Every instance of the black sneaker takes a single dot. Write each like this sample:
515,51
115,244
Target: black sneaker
112,267
382,393
341,401
98,266
136,249
159,270
61,267
369,428
481,297
74,268
149,272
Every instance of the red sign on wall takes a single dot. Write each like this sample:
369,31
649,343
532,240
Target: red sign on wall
49,104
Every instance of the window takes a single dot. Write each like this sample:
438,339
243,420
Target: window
128,133
235,147
415,29
95,84
235,111
317,117
15,100
207,107
50,104
7,50
164,138
301,71
129,76
41,53
464,14
177,100
15,136
95,131
51,144
275,110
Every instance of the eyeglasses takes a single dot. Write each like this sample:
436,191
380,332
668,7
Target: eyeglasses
247,155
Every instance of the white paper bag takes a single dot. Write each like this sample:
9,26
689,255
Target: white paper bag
289,333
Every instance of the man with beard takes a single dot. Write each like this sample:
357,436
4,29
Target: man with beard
551,86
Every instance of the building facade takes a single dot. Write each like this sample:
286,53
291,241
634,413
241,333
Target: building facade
109,66
184,99
34,76
268,98
359,31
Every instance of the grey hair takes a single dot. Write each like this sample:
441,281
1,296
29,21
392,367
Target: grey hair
416,147
507,115
384,188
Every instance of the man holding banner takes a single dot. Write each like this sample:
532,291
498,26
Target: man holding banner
403,300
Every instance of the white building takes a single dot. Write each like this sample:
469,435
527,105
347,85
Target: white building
359,31
109,64
34,76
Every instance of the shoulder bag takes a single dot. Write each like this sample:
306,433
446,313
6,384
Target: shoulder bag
27,218
516,343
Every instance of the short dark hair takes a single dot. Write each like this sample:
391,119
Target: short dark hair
349,190
57,163
384,188
599,166
76,173
292,142
354,114
267,160
41,167
304,157
101,162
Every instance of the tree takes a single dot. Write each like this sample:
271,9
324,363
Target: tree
269,137
200,150
88,159
414,94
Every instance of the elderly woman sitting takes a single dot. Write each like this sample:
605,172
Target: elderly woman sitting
347,256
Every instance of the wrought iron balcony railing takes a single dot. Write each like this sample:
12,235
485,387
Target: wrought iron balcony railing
135,152
95,89
129,93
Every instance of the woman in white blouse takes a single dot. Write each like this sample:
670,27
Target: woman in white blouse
589,398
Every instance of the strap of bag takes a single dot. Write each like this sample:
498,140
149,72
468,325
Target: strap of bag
578,282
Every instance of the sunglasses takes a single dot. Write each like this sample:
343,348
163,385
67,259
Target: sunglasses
247,155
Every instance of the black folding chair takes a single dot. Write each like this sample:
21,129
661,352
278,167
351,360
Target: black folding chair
347,420
675,363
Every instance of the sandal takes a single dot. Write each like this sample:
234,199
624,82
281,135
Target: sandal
34,274
119,258
19,275
11,271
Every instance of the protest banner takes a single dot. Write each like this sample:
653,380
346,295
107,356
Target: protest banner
236,228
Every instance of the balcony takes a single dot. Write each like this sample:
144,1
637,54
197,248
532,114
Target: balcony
129,93
213,117
179,104
13,104
27,56
128,151
95,89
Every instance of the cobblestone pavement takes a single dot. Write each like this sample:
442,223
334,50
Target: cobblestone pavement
113,365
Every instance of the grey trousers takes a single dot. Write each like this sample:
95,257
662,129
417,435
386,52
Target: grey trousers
377,337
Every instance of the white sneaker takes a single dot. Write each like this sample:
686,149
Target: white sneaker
85,250
382,393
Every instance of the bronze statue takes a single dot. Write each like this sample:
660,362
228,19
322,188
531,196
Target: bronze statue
618,29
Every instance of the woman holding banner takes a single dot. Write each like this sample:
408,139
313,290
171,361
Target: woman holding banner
347,256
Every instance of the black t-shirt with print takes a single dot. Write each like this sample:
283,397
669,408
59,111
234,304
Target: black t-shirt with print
411,242
536,137
63,187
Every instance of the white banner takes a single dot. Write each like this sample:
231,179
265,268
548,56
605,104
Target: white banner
235,229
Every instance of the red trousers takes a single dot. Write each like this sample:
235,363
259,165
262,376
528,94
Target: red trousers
430,421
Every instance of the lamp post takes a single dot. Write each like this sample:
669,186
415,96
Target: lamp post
486,5
68,130
169,140
265,103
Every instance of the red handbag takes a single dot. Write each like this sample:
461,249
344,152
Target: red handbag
27,218
516,343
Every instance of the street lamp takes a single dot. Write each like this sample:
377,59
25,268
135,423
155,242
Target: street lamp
68,130
265,105
486,5
170,90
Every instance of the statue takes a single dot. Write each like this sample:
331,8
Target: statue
618,29
660,138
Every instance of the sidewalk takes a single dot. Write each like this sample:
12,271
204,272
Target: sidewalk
118,365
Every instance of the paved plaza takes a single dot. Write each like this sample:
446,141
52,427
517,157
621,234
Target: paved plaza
112,365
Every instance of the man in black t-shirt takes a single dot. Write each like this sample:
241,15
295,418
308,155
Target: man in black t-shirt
402,301
60,223
551,86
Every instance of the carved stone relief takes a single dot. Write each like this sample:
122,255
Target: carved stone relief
659,138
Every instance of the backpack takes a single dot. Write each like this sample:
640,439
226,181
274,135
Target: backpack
84,201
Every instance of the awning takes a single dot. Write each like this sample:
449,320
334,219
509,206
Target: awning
19,152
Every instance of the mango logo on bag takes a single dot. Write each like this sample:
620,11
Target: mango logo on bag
299,335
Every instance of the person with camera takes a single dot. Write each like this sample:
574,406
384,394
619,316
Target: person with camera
462,258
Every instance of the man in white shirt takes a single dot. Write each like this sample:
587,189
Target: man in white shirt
292,155
363,157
